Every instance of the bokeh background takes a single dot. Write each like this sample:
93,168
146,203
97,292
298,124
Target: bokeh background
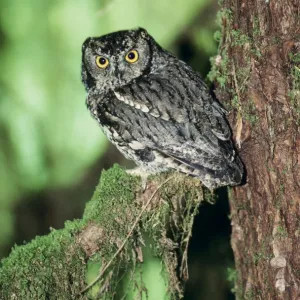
51,150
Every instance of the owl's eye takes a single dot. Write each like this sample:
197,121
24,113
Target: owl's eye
102,62
132,56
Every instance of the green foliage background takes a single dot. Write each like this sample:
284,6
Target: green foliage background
47,136
49,144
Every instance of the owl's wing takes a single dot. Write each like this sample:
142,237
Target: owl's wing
181,101
178,119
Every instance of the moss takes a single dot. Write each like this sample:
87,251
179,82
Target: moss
112,208
116,189
55,266
47,268
281,232
252,294
262,254
239,38
250,113
149,279
220,63
170,226
232,278
256,28
164,223
219,71
232,80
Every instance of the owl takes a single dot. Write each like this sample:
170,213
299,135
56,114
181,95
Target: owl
156,109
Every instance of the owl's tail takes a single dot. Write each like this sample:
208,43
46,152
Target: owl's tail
231,174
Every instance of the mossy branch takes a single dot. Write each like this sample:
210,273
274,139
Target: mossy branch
57,266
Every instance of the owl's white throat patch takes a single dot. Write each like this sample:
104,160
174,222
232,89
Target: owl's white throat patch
135,104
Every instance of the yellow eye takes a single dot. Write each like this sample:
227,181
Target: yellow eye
102,62
132,56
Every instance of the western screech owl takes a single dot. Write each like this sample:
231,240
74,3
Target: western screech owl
156,109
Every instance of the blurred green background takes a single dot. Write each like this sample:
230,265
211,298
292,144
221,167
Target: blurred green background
52,151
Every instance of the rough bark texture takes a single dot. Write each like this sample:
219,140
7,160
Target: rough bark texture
259,62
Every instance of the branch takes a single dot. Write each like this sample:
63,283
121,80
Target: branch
111,234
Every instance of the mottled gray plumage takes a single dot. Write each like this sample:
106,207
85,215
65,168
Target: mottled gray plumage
157,110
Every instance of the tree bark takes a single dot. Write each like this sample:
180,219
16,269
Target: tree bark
258,69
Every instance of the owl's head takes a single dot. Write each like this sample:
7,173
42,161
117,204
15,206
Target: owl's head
115,59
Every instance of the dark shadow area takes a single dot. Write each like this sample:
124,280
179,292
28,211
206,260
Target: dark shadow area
210,253
52,207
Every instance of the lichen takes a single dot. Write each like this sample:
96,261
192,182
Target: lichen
294,93
232,81
220,64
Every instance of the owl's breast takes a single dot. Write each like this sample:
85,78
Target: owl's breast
117,119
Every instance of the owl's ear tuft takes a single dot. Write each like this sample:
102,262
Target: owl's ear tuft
86,77
86,43
143,33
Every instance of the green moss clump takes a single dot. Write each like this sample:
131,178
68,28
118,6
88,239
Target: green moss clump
239,38
170,226
54,266
49,267
220,63
116,189
111,207
167,223
233,80
232,278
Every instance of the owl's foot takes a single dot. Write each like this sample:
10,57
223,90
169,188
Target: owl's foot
140,172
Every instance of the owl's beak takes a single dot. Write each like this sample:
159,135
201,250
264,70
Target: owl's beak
119,74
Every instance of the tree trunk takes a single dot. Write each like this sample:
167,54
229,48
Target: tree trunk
258,69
